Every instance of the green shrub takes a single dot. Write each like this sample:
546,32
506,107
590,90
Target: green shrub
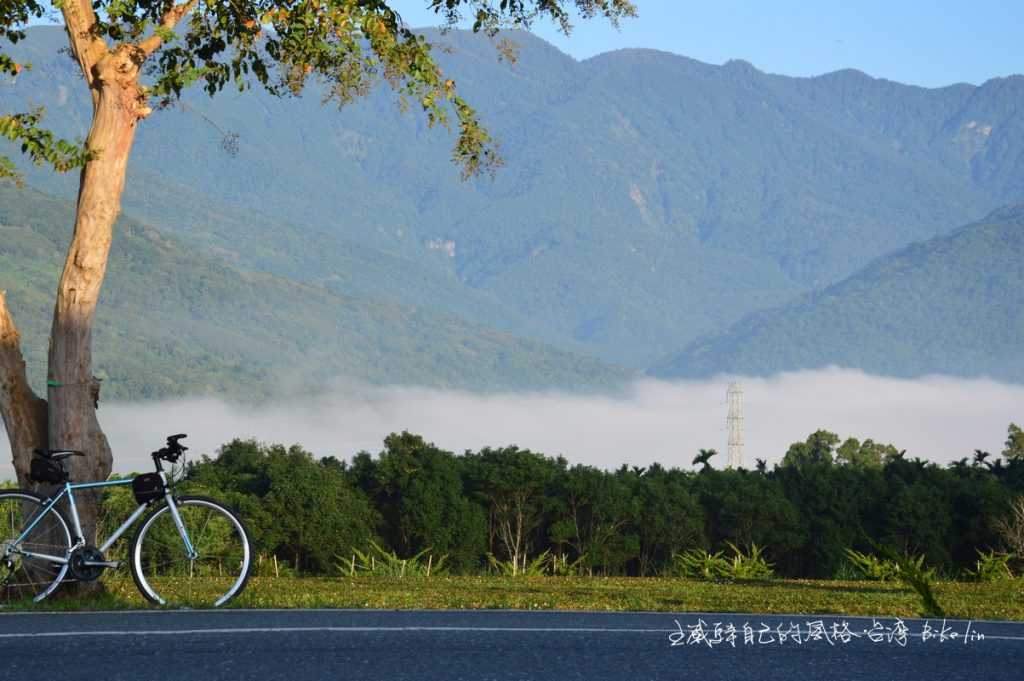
509,568
547,563
913,573
991,567
871,567
560,566
381,562
701,564
749,566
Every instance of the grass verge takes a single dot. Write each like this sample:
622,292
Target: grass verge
1002,600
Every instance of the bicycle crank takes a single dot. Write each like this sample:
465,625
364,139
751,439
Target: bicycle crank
87,563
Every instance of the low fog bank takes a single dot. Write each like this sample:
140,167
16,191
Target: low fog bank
937,418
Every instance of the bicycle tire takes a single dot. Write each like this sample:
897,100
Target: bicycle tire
20,576
166,575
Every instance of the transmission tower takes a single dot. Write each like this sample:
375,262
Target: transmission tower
735,424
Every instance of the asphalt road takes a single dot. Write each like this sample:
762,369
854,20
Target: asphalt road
448,645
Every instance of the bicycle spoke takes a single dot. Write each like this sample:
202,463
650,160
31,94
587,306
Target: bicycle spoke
165,572
153,567
177,545
28,576
43,566
28,526
202,532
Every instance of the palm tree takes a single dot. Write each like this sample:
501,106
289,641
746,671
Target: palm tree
762,466
980,456
891,457
703,457
959,467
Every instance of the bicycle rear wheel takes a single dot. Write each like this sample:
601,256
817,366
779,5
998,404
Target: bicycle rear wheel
27,568
212,574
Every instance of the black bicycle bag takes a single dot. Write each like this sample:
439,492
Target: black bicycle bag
47,471
147,487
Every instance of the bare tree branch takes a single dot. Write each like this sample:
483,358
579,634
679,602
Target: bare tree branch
169,20
1011,527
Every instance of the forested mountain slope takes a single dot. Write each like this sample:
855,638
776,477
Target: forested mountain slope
173,322
647,200
950,305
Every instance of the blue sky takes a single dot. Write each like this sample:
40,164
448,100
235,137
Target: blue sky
932,43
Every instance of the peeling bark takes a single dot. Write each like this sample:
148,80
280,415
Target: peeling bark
67,419
72,390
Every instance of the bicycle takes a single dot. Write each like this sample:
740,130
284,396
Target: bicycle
189,550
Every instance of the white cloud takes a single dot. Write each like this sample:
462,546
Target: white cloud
936,418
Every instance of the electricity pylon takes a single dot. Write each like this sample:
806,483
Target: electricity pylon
735,424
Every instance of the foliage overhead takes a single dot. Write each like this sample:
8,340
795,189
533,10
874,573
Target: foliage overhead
280,44
39,144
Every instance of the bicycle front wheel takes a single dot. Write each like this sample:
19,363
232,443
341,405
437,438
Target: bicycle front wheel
210,574
31,540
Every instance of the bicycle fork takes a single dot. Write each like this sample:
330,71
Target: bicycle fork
173,507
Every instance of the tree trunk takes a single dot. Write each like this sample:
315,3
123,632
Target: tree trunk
23,413
72,390
67,420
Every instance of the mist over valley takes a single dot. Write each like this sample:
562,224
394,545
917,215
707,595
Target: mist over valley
334,281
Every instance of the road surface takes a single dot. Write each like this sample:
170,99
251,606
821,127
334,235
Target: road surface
295,645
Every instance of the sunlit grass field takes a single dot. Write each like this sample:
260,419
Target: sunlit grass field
1003,600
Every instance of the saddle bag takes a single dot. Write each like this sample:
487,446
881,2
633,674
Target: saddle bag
147,487
47,471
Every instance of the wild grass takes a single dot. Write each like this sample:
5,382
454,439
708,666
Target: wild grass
871,567
382,562
1003,600
991,566
701,564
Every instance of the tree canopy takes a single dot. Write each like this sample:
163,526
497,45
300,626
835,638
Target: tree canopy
279,45
1014,442
517,505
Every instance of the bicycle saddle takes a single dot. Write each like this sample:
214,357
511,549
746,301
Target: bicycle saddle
58,454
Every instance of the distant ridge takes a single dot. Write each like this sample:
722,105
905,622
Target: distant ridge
648,199
174,322
950,305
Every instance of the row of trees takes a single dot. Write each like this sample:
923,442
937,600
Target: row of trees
513,504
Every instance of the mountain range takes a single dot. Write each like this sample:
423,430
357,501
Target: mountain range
650,209
952,305
171,321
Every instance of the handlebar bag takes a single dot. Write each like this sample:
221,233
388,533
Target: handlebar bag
47,471
147,487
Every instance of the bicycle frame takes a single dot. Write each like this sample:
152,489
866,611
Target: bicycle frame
69,492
